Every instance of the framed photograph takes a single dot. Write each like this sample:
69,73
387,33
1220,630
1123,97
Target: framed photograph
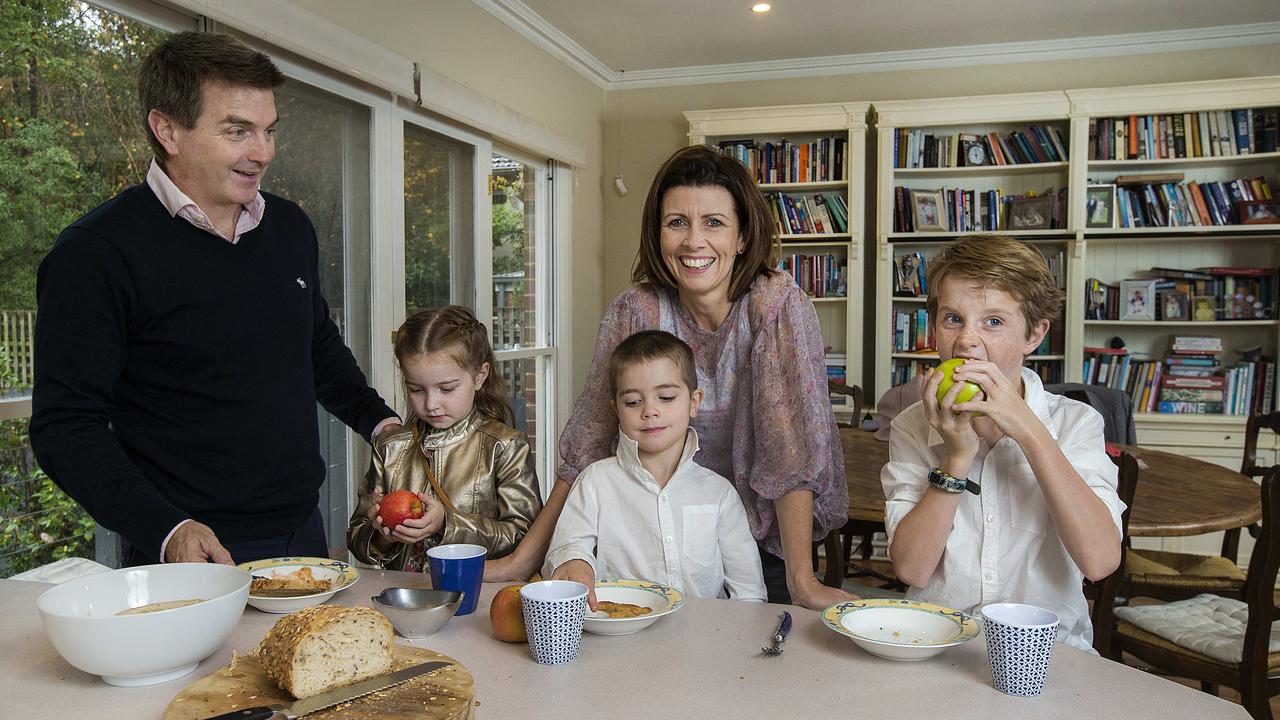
1100,206
1137,299
1174,305
1202,308
1031,213
927,207
1259,212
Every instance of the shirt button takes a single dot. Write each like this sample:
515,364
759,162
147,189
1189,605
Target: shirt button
991,519
668,538
990,576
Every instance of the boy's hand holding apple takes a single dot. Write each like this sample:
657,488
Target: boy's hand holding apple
953,424
1003,405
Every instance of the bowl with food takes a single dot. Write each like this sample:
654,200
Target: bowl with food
288,584
144,625
628,606
897,629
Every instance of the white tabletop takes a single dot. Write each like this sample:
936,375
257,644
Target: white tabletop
704,660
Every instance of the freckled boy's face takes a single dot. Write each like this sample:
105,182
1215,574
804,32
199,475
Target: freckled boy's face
982,323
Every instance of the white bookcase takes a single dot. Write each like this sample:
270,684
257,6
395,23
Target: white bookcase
841,317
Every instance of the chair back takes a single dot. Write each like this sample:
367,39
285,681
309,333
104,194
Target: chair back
1271,421
1259,587
1103,613
852,391
1115,406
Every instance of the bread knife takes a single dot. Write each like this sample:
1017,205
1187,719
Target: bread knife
299,708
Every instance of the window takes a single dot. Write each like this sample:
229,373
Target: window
69,139
438,203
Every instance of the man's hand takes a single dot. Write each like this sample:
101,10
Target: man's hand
390,428
582,572
195,542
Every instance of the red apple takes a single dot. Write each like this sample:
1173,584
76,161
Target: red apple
399,506
506,614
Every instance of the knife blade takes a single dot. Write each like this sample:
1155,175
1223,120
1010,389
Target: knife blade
299,708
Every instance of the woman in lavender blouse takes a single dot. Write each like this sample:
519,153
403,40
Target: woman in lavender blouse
705,274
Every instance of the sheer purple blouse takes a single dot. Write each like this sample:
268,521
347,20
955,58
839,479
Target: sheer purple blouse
765,423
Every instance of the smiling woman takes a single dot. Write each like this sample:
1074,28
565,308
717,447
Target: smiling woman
704,272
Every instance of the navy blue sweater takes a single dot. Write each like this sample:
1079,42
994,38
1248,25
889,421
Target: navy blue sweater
177,374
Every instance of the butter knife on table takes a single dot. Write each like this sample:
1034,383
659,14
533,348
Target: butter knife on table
299,708
784,627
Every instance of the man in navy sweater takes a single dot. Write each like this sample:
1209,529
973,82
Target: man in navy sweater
181,339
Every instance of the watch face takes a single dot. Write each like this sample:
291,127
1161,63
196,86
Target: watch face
977,155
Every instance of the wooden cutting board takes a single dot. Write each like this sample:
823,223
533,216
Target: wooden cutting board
446,694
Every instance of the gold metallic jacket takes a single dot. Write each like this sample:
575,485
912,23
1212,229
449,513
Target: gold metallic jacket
484,466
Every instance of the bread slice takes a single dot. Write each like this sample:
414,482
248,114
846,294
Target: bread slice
327,646
299,582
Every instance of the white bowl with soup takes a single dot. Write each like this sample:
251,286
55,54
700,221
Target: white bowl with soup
144,625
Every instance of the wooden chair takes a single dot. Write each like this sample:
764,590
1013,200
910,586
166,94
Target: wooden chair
1172,575
1103,615
837,553
1257,674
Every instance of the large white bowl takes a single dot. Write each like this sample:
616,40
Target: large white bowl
80,618
660,599
900,629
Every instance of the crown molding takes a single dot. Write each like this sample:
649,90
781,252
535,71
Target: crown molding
534,28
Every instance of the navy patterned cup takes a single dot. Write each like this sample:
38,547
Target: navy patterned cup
553,612
1019,644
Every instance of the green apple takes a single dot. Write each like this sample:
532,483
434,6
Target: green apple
968,390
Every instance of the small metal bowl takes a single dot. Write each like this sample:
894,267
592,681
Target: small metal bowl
417,612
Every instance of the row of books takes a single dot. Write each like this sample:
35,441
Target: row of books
1202,295
964,210
785,162
1210,133
820,276
911,331
904,369
809,214
836,372
1193,204
916,148
1189,380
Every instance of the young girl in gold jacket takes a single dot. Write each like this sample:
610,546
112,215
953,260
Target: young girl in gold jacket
473,472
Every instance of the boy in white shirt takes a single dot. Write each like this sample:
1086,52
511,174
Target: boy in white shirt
1009,497
651,512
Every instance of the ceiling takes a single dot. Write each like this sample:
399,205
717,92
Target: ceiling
655,40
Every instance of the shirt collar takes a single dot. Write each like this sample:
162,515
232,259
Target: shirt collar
629,455
1033,393
179,204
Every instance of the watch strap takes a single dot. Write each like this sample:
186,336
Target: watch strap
952,484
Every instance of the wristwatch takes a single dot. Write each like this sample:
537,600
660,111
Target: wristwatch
943,481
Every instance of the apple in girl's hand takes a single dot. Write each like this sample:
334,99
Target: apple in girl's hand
506,614
968,390
399,506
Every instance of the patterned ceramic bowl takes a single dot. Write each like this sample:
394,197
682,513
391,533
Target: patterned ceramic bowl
339,574
900,629
659,599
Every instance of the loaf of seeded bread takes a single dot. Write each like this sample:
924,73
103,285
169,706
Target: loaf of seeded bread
327,646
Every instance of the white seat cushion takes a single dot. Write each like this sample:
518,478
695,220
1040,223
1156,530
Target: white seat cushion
1207,624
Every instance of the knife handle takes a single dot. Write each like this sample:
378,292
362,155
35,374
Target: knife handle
253,713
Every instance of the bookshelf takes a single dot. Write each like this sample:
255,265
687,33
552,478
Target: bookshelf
1115,253
930,133
840,243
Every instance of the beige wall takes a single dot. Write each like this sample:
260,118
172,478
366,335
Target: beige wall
652,127
464,43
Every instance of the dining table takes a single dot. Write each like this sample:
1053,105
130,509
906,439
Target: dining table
705,659
1176,495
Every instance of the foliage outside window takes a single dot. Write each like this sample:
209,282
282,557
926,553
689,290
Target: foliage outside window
70,137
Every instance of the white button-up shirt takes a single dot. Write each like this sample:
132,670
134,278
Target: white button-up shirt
691,534
1003,545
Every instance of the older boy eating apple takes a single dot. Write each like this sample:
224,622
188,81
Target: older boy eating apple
1009,497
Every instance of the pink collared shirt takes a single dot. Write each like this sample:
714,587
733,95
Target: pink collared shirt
180,205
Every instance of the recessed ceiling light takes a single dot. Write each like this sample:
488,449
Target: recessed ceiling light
761,7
